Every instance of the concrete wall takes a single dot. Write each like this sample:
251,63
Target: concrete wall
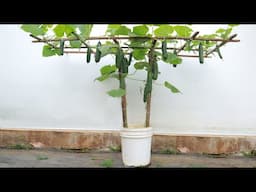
59,92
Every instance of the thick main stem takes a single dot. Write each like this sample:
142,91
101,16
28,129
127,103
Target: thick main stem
148,109
122,85
148,104
123,99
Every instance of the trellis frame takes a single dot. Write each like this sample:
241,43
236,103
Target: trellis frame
178,50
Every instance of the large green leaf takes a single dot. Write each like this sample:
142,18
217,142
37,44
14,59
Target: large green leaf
221,30
62,29
163,30
112,28
171,87
224,33
116,92
85,30
173,59
103,77
183,31
116,29
34,29
49,51
140,65
139,54
107,69
122,30
140,30
106,49
227,33
233,25
75,44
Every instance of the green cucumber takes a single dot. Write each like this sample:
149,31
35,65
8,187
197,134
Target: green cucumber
201,53
218,51
125,65
175,52
130,59
88,57
98,52
164,49
188,45
148,87
154,70
62,42
119,57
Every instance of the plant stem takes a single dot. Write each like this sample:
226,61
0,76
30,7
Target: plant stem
123,99
148,104
122,85
148,109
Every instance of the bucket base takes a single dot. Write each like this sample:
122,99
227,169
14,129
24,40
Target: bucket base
136,146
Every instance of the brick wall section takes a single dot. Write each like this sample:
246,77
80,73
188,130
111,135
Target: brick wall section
73,139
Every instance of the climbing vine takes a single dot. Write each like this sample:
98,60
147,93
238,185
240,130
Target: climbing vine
140,47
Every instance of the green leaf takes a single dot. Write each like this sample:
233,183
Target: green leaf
135,43
233,25
107,49
140,65
224,33
227,33
221,30
75,44
140,30
34,29
173,59
85,30
122,30
61,29
112,28
163,30
183,31
108,69
210,36
171,87
103,77
139,54
116,92
49,51
48,25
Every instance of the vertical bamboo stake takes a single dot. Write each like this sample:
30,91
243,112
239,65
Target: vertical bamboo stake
123,99
148,104
122,85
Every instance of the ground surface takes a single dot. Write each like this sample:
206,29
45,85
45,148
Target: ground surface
60,158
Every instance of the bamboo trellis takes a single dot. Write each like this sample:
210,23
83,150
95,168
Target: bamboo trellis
115,38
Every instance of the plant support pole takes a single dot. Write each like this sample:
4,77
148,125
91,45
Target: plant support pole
148,102
123,99
122,85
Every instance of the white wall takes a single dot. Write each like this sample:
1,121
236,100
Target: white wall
59,92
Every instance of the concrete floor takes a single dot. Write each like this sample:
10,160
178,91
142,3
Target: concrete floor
94,159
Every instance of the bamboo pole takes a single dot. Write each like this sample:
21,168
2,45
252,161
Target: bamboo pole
140,37
192,38
84,52
221,44
123,98
148,104
41,40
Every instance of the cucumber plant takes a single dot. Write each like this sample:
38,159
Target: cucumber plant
143,47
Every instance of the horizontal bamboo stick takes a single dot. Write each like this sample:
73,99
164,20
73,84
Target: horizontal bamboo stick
140,37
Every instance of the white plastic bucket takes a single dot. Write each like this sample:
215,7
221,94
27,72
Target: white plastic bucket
136,146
